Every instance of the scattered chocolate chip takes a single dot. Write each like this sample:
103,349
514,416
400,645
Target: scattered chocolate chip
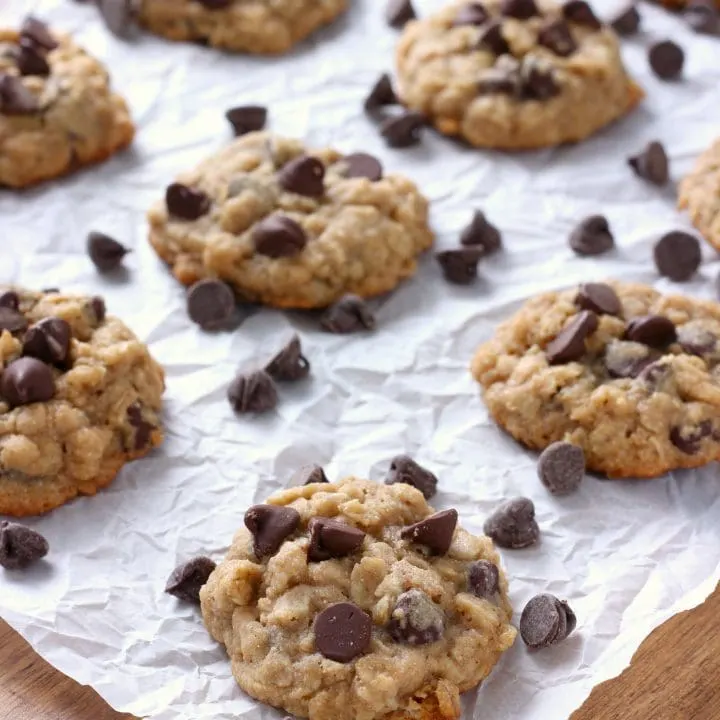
105,252
481,234
483,579
308,475
399,12
653,330
416,619
545,620
403,469
651,164
11,320
703,17
210,304
48,340
513,524
599,298
38,33
185,202
382,94
247,118
342,632
332,539
50,290
215,4
625,359
580,12
555,35
143,429
403,130
278,236
666,59
289,364
460,266
186,580
303,175
626,22
30,60
25,381
434,532
472,14
696,340
561,467
97,305
20,546
689,439
9,299
348,315
520,9
503,77
492,39
677,255
117,14
569,345
15,98
537,79
362,165
253,393
592,236
270,526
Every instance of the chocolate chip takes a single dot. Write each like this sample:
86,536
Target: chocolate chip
253,393
27,380
404,130
545,620
11,320
677,255
38,33
689,439
696,340
569,345
471,14
403,469
348,315
332,539
492,39
434,532
460,266
215,4
399,12
362,165
303,175
481,234
592,236
289,364
537,79
185,202
599,298
503,77
20,546
580,12
416,619
654,374
626,359
143,429
210,304
513,525
483,579
117,14
555,35
342,632
270,526
309,475
278,236
15,98
247,118
626,22
9,299
48,340
520,9
703,17
97,305
651,164
105,252
666,59
561,467
186,580
653,330
382,93
30,60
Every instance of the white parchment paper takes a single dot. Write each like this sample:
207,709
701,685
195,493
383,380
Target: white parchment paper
626,554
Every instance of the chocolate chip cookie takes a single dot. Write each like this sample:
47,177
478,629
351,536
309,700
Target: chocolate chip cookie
630,376
57,111
700,194
356,601
515,74
290,227
79,397
253,26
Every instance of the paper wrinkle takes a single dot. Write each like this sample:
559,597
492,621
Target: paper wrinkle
625,554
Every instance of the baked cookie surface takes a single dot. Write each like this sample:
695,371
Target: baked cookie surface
79,397
291,229
514,74
629,375
435,622
699,194
57,111
253,26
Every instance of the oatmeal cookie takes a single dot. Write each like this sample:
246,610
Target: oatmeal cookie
57,111
627,374
355,601
79,397
513,74
289,227
253,26
700,194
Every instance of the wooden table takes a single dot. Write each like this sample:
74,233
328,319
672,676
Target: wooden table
675,675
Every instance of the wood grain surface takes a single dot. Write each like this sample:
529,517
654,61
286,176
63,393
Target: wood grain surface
675,675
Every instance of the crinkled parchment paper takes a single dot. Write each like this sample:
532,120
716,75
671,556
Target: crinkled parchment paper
626,554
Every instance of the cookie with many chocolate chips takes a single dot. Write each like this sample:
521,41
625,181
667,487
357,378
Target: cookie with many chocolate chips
79,397
519,75
352,581
637,388
290,227
57,111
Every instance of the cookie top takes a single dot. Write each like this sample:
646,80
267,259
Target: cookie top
290,227
79,396
56,107
514,74
346,603
627,374
254,26
700,194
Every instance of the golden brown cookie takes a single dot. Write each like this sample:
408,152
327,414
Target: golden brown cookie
700,194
